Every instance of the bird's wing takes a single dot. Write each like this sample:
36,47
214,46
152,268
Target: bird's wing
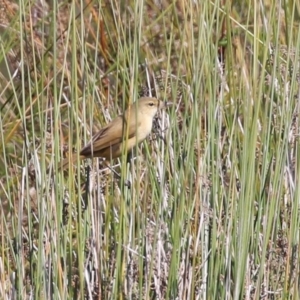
110,135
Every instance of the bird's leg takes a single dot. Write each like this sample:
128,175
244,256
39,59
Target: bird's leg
126,182
131,155
87,184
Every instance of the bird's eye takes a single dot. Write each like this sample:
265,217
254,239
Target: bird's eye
151,103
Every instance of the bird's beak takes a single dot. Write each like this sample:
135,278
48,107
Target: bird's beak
168,104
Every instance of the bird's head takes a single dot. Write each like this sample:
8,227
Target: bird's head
149,106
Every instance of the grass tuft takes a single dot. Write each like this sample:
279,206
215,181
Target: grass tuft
212,210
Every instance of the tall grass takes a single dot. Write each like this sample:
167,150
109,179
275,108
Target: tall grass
208,206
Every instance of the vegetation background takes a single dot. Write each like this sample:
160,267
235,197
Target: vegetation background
213,207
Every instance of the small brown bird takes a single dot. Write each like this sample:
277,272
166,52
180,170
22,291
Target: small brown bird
124,132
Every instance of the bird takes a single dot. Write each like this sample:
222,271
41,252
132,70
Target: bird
124,132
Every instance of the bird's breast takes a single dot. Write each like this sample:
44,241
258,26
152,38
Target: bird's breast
144,129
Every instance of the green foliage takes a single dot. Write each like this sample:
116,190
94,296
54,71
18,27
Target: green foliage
212,207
